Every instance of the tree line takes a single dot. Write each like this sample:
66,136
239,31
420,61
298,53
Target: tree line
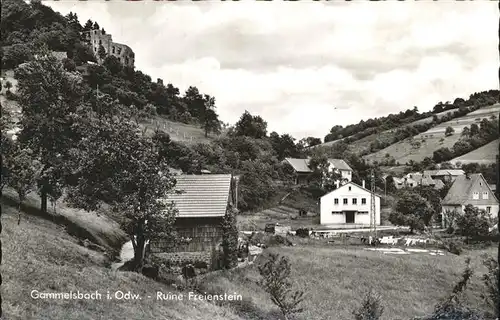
363,129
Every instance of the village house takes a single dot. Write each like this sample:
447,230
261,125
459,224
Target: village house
445,175
202,204
414,179
303,171
470,189
348,204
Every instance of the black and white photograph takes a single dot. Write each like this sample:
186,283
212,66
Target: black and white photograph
250,160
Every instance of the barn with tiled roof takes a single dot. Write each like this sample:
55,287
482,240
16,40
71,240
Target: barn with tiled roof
201,202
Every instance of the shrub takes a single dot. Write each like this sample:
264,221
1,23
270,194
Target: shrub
490,280
275,273
454,246
371,307
453,307
230,240
473,223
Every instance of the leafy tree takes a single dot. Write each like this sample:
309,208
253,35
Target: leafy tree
49,97
88,25
411,210
490,280
430,194
442,154
312,141
118,167
14,55
209,118
322,174
251,126
275,273
449,131
453,307
474,129
284,145
466,132
256,184
230,239
23,170
474,222
371,308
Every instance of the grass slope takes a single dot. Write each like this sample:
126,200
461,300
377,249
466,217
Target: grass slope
484,155
387,135
336,279
423,145
40,255
364,144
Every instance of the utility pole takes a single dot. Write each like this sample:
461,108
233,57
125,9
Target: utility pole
497,191
373,213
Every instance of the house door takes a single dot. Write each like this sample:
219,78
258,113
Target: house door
349,216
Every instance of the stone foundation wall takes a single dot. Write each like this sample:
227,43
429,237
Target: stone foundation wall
201,260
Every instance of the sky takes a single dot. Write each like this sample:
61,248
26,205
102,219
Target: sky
307,66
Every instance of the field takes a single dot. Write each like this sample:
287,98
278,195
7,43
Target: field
280,214
363,144
423,145
335,279
39,255
484,155
178,131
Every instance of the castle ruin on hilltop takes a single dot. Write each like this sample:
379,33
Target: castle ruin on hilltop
96,38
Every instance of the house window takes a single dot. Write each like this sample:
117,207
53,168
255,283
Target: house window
345,201
363,200
354,201
349,188
100,41
485,195
336,201
488,209
475,195
113,49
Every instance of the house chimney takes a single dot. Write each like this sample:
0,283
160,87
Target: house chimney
363,184
337,183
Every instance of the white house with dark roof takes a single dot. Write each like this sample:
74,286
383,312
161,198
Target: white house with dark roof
202,202
303,171
348,204
470,189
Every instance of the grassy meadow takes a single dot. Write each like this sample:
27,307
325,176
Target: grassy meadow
484,155
40,255
423,145
335,280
